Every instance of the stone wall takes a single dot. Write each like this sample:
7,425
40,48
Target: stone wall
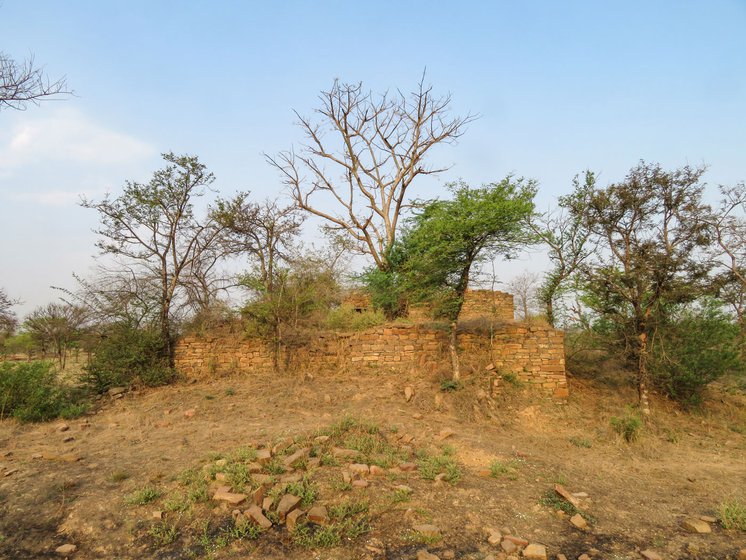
535,354
487,303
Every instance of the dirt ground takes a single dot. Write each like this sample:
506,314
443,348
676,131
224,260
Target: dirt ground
56,490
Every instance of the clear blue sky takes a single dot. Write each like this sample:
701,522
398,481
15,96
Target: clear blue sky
560,87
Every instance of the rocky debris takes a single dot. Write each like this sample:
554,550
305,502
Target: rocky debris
741,554
114,391
406,467
650,555
423,554
263,456
360,483
313,462
408,393
358,469
255,514
561,557
66,549
579,521
693,525
493,536
567,496
10,472
406,439
708,518
158,515
63,428
282,444
376,546
448,554
518,541
321,439
427,530
318,515
509,547
445,433
37,455
535,552
293,518
221,477
295,477
226,496
257,496
375,470
190,413
417,416
254,468
344,453
584,557
287,504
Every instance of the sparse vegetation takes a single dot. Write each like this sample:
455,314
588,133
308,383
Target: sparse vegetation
163,534
142,496
500,469
628,426
430,466
732,515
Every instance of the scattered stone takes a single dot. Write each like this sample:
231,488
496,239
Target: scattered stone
408,467
407,439
63,428
267,503
360,483
584,557
318,515
254,468
375,470
287,504
10,472
565,495
408,393
485,473
114,391
37,456
346,477
535,552
708,518
417,416
741,554
292,519
489,367
579,521
561,557
262,478
327,398
221,462
313,462
230,497
439,478
509,547
425,555
255,514
263,456
403,488
445,433
650,555
157,515
581,495
344,453
190,413
321,439
282,444
257,496
288,478
66,549
359,469
693,525
427,530
493,536
221,477
518,541
448,554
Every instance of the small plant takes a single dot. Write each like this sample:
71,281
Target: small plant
554,501
316,537
732,515
230,391
242,529
627,426
142,496
245,454
414,537
275,466
448,385
578,441
305,489
178,503
118,476
499,469
401,495
512,379
348,508
430,466
163,534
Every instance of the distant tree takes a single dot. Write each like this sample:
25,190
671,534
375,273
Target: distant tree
266,234
524,289
362,155
153,230
565,235
649,235
56,325
446,238
8,320
23,82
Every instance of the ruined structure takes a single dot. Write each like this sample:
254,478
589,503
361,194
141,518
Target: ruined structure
532,353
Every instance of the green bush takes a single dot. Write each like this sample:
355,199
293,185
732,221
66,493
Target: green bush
346,318
125,355
695,348
627,426
30,392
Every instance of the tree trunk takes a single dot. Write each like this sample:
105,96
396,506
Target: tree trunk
550,311
453,350
642,374
166,335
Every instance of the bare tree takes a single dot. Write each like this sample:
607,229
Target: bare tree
362,154
23,82
524,288
152,228
58,325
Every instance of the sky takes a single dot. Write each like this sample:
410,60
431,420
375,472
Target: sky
559,87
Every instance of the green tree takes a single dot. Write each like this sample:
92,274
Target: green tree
154,231
446,238
56,325
649,234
